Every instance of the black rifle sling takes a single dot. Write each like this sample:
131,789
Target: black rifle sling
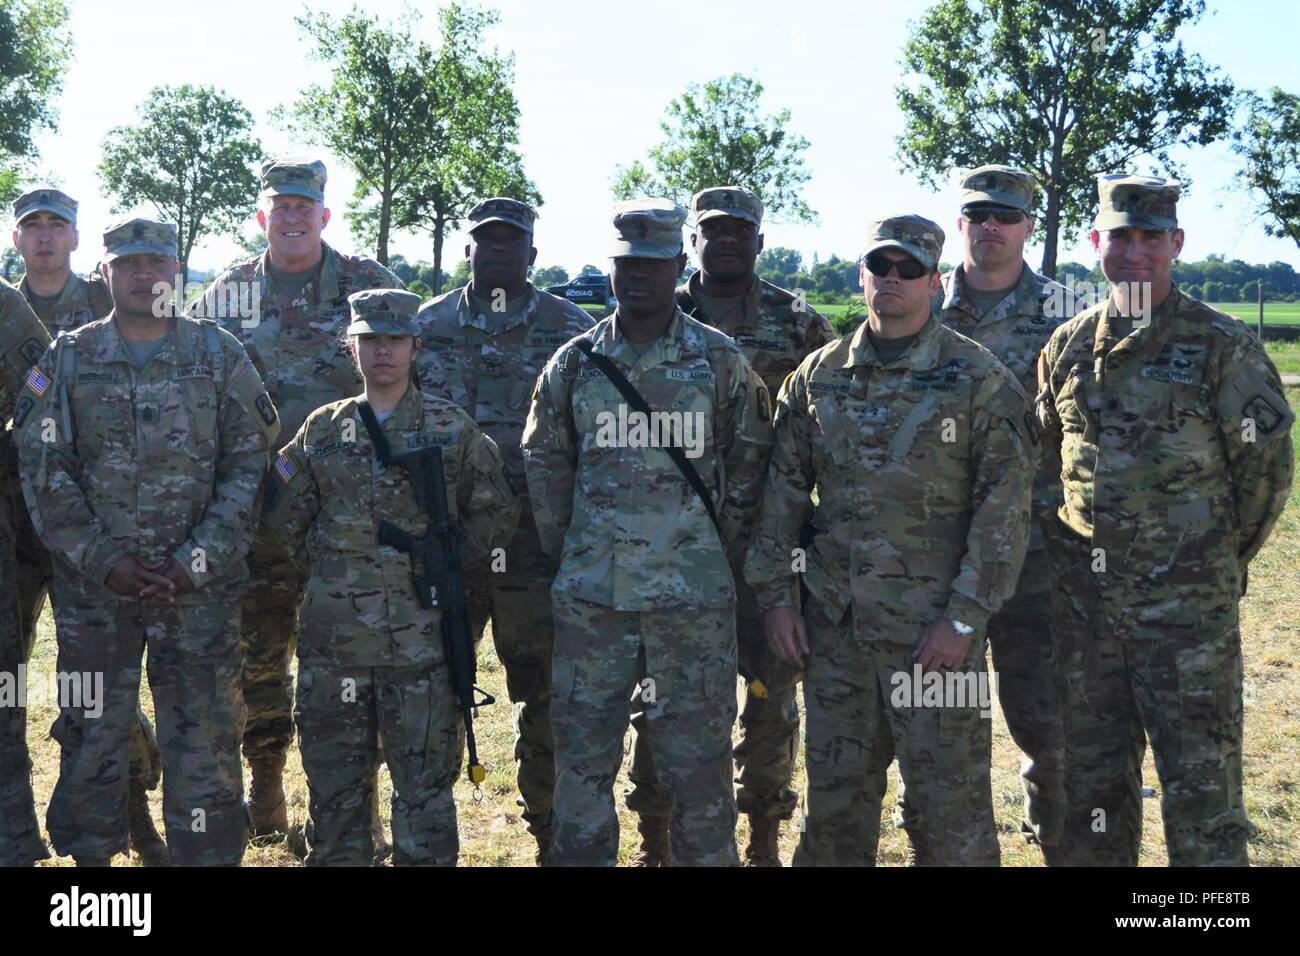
634,399
375,431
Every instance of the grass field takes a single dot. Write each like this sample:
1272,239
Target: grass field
492,833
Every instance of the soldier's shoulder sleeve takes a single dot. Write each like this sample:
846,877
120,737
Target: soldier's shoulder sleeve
245,387
1249,389
1002,399
371,274
23,338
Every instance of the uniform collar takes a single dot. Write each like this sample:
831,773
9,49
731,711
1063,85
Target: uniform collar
922,354
112,348
669,347
750,304
1145,342
492,323
324,288
73,292
1025,297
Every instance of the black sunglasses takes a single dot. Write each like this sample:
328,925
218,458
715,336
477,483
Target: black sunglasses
880,265
1008,217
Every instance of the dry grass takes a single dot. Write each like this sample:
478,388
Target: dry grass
492,833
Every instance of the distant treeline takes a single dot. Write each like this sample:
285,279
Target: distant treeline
1215,279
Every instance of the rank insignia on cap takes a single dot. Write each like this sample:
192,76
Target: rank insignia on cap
285,469
38,382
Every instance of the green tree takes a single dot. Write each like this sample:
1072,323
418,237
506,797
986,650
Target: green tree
715,135
35,47
377,111
590,270
191,158
1269,142
778,262
472,132
1067,89
550,275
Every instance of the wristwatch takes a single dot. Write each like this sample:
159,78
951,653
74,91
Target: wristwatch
965,630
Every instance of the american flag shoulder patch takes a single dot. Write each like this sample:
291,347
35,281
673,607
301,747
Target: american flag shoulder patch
38,382
285,469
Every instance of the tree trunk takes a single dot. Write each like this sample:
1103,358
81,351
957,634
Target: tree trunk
385,223
439,234
1052,215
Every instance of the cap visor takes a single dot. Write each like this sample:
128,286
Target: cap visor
914,251
140,249
996,198
509,222
1127,220
733,213
643,250
380,327
304,191
60,211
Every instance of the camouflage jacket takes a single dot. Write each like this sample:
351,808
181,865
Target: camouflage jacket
772,330
611,507
297,345
328,495
23,340
81,301
1015,330
923,470
1176,452
487,363
160,462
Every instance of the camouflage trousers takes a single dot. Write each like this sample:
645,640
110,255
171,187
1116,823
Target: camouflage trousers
682,667
1026,662
854,730
29,566
339,713
1184,693
268,627
194,676
769,731
518,602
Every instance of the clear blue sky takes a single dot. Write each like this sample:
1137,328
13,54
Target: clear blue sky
593,79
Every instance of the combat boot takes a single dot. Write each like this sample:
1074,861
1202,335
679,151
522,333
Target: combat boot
655,848
145,841
267,811
543,838
763,836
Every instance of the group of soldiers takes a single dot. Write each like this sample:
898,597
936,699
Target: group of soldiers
973,468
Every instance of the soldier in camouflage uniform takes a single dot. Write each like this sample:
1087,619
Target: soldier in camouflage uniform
487,341
995,298
298,291
369,656
774,330
45,234
1176,460
918,442
22,342
645,597
143,438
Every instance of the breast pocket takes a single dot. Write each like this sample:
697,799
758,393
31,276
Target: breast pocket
835,434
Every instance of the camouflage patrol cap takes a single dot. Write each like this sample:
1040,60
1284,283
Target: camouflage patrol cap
917,236
1000,185
140,236
1140,202
500,209
45,199
647,229
294,177
726,201
384,312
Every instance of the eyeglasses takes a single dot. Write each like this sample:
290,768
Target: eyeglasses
1008,217
880,265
